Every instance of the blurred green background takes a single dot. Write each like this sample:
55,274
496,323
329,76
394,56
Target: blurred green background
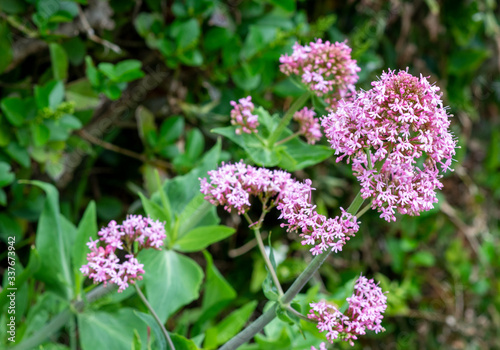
97,95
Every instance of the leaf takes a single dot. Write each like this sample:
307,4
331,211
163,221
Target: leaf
6,176
287,5
172,280
201,237
5,46
49,95
14,109
40,134
153,210
128,70
186,33
59,61
75,50
244,78
110,331
146,125
51,243
298,155
161,342
182,343
33,266
229,327
194,213
108,208
87,229
218,292
80,92
466,61
195,143
170,130
18,153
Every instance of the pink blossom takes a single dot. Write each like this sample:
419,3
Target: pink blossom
326,68
403,123
322,346
366,307
241,115
308,125
231,185
103,263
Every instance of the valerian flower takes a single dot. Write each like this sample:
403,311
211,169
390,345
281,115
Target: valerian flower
396,136
231,185
241,115
103,262
308,125
326,68
365,310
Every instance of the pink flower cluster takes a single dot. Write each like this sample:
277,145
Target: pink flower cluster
241,115
401,121
231,185
326,68
105,266
322,346
366,307
308,125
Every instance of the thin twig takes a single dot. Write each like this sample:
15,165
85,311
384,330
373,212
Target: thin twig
288,138
157,319
262,249
126,152
92,36
233,253
19,26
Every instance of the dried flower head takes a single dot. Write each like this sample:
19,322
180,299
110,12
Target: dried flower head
366,307
326,68
401,121
241,115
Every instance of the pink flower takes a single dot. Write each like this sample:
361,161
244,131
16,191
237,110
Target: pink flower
231,185
403,123
241,115
103,263
366,307
322,346
308,125
326,68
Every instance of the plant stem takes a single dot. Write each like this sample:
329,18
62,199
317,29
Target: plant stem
157,319
288,138
256,326
287,117
262,249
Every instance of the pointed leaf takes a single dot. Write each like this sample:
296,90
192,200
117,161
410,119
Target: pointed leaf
201,237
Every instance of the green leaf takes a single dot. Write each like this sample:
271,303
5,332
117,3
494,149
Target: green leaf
5,133
92,73
229,327
172,280
195,143
194,213
52,244
14,109
18,153
40,134
108,208
110,331
423,258
59,61
49,95
5,45
80,92
6,176
128,70
87,229
467,61
182,343
298,155
245,79
171,129
156,212
287,5
146,125
218,292
201,237
186,33
161,342
75,50
33,266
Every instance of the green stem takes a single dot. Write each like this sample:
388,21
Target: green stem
262,249
256,326
155,316
61,319
288,138
287,118
299,315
